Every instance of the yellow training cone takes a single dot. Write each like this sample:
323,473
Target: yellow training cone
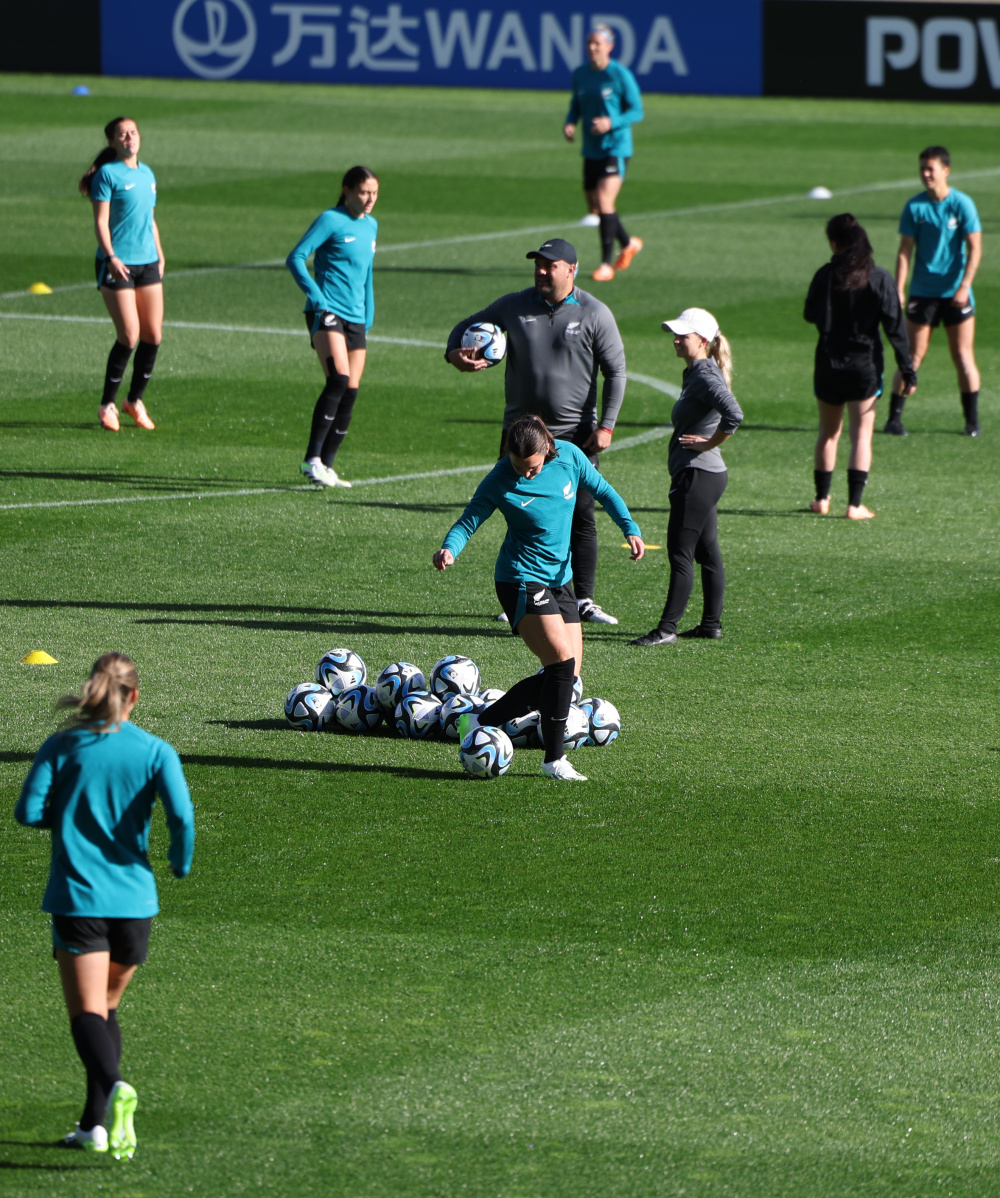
40,289
38,658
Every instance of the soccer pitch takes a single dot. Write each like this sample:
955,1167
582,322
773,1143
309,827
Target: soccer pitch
756,954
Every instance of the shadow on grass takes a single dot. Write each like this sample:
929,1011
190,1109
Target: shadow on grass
54,1145
256,725
472,272
345,628
405,507
740,511
345,767
11,757
159,482
276,609
47,424
777,428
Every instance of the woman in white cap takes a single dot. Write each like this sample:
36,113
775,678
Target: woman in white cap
705,414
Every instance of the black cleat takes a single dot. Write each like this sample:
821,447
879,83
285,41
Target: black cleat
894,427
971,430
701,634
656,637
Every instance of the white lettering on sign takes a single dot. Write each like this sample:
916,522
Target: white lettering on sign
662,46
913,42
934,75
299,27
367,53
570,46
511,42
902,56
457,30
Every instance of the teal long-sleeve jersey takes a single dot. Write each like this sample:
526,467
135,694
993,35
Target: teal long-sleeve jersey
539,513
344,249
95,791
612,92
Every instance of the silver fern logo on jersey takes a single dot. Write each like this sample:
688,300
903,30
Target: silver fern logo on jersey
214,38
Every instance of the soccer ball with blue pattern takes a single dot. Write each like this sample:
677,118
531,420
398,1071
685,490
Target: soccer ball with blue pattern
486,752
523,732
309,707
453,708
577,728
488,340
359,710
491,694
605,722
340,669
397,680
418,715
455,675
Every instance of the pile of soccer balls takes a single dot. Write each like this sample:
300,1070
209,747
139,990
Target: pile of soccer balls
419,707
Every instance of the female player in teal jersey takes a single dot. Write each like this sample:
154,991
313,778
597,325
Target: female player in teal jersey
129,266
607,98
93,785
340,308
534,487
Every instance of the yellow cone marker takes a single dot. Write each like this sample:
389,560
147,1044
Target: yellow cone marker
38,658
40,289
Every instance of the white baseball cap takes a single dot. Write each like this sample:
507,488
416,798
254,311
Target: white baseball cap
693,320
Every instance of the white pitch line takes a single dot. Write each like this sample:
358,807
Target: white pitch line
470,238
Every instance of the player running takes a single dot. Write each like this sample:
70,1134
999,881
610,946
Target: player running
848,299
340,309
606,98
93,785
942,226
534,488
129,265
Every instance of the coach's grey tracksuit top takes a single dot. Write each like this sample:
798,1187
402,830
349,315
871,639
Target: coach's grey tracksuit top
704,405
554,353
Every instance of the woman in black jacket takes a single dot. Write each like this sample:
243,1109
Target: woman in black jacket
848,299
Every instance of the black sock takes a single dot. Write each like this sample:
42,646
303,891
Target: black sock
115,1032
523,696
623,237
96,1049
336,435
970,406
553,706
145,360
325,411
115,372
609,226
823,479
896,403
856,480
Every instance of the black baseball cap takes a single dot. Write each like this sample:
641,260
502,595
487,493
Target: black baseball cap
556,250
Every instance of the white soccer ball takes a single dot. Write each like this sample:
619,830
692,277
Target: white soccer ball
486,752
454,675
605,722
488,340
523,732
455,707
340,669
491,694
310,707
397,680
418,715
358,709
577,727
820,193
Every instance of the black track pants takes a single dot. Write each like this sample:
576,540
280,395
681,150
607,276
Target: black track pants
583,539
693,536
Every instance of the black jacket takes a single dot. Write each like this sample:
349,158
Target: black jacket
848,324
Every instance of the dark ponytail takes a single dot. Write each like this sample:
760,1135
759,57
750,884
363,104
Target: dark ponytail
853,261
353,180
108,154
528,436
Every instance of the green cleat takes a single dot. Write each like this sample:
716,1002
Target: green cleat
466,723
121,1132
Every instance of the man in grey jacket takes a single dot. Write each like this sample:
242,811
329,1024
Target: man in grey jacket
558,339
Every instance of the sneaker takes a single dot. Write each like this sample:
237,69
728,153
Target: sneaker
701,634
624,259
562,771
656,637
895,428
590,613
122,1102
321,475
107,414
138,413
821,506
604,273
466,723
337,480
95,1140
859,513
971,430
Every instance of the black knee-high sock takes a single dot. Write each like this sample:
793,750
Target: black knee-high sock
623,237
145,360
609,226
896,403
97,1051
823,479
523,696
970,406
336,435
553,706
325,411
115,372
115,1032
856,480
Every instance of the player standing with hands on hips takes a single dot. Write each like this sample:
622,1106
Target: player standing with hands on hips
340,309
92,785
941,233
705,415
129,265
534,488
606,99
558,339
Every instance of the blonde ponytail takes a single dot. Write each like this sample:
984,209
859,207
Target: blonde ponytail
719,350
103,696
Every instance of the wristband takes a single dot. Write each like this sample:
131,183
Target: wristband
604,428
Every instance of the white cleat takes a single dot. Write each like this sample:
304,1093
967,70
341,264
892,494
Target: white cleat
95,1140
590,613
322,476
562,771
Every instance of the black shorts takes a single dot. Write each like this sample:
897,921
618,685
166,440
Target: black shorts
596,169
928,309
127,940
846,386
353,334
532,598
144,275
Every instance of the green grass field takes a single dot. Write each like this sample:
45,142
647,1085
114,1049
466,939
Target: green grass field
756,954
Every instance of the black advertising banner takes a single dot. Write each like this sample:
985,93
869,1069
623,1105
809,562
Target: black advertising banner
887,50
57,37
